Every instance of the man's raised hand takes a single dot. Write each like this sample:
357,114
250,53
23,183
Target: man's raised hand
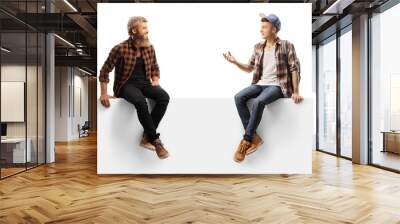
229,57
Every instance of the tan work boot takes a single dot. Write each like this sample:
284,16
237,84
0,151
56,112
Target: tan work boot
162,153
144,142
257,141
241,150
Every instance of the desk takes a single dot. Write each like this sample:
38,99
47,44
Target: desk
13,150
391,141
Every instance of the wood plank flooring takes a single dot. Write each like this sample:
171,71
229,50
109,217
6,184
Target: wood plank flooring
70,191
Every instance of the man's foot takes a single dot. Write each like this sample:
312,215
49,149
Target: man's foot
146,144
257,141
240,153
162,153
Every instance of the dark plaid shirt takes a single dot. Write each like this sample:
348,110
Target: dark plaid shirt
123,58
286,63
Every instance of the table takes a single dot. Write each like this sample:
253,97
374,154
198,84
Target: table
391,141
13,150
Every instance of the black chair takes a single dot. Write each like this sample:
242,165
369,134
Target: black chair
84,130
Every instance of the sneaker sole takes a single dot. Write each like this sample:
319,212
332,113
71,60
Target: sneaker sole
238,161
164,157
146,147
255,149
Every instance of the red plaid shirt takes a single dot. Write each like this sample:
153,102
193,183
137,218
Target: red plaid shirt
286,63
123,57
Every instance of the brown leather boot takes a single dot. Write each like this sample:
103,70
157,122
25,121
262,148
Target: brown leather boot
162,153
144,142
257,141
241,150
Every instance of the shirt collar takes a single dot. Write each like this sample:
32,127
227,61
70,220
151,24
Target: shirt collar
278,41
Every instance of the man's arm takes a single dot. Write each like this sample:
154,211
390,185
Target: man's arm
295,81
294,68
107,67
155,74
109,64
242,66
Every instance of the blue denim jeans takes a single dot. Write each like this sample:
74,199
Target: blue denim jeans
262,95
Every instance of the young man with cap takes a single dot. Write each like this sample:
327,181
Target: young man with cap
136,77
276,75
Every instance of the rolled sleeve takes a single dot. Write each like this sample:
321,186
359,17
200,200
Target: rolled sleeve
293,61
109,64
155,67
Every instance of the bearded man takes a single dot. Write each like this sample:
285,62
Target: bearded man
136,78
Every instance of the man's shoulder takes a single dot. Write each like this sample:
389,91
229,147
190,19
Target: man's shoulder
259,44
123,43
120,46
287,42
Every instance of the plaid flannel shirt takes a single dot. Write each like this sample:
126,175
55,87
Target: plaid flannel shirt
286,63
123,57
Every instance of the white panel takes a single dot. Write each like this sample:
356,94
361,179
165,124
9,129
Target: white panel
201,128
202,135
12,101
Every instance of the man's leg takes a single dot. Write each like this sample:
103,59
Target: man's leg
161,97
267,96
135,96
241,99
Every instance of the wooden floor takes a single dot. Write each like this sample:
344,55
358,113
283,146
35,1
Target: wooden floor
70,191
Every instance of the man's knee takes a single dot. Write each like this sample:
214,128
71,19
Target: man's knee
239,98
140,103
166,97
258,103
163,98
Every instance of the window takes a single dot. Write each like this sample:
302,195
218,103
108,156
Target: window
327,96
22,88
385,89
346,92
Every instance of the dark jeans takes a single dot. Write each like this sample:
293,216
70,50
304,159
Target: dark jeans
262,95
136,94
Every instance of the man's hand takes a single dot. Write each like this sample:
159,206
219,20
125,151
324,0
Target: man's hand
155,81
297,98
105,99
244,67
229,57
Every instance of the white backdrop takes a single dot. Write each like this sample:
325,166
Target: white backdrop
201,128
190,38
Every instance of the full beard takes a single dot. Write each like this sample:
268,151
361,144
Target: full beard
141,41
